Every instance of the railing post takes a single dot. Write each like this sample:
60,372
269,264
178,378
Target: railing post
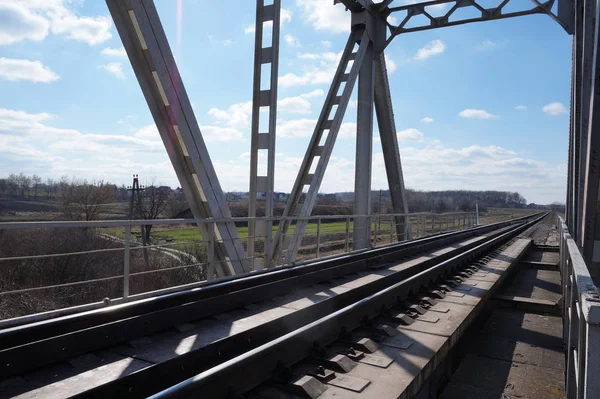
376,230
318,237
126,256
211,252
347,245
432,223
476,214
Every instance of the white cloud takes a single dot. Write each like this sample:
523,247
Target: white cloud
236,115
521,108
113,68
427,119
390,64
435,7
298,104
147,132
432,48
485,45
291,40
471,113
320,71
555,109
29,143
114,52
32,20
305,128
322,15
326,43
285,16
19,24
34,71
410,135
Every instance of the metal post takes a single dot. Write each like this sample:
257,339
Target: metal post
263,140
376,231
318,237
347,245
476,214
126,257
364,151
147,47
317,155
389,146
211,252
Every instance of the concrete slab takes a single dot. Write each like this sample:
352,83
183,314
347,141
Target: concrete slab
507,349
540,330
405,374
520,380
63,381
535,283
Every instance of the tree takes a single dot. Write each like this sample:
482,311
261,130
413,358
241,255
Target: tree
50,187
3,187
151,203
35,180
81,200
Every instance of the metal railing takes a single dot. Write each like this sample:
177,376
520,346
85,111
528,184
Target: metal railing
116,245
581,320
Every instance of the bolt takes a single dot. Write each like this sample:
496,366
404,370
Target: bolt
351,351
321,370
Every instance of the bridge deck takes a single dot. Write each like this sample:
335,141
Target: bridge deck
519,351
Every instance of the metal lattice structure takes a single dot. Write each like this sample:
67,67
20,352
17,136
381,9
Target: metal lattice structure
373,27
148,50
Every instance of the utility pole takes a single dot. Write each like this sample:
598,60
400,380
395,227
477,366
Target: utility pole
134,188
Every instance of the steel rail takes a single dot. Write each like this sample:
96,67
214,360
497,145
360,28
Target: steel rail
150,380
244,372
21,334
23,346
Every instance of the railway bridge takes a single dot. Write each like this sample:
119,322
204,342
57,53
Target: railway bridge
399,305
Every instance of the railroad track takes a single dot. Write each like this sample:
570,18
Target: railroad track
359,285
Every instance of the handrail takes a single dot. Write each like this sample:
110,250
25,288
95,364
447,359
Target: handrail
581,320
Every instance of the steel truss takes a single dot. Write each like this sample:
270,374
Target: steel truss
263,140
362,59
148,50
583,204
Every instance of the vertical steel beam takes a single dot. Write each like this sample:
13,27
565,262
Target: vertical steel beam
578,50
263,140
364,153
389,145
590,213
300,203
148,50
587,49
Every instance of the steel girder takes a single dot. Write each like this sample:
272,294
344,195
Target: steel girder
263,140
320,147
369,66
589,213
410,14
148,50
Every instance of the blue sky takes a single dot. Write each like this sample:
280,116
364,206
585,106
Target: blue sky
478,106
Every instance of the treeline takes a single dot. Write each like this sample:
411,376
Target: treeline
462,200
25,187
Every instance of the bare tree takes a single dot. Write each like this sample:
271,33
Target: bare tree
3,187
35,180
151,203
23,183
81,200
50,187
